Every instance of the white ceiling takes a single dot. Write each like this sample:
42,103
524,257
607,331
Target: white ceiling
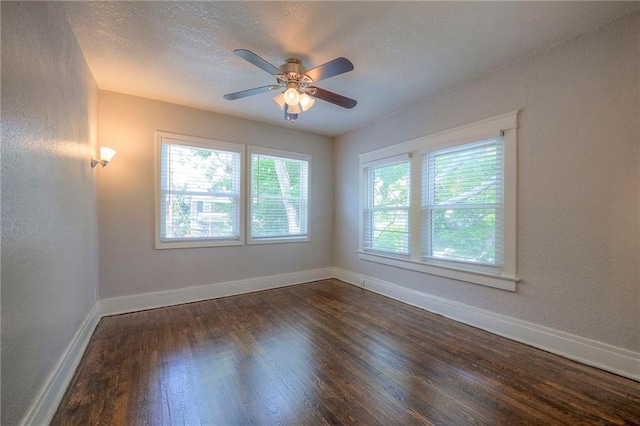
403,52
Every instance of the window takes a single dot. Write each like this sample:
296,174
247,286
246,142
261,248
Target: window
386,206
462,203
279,196
445,204
199,192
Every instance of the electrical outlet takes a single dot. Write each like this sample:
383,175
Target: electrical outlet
95,294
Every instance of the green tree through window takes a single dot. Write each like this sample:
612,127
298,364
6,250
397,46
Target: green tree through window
191,176
462,202
278,196
386,213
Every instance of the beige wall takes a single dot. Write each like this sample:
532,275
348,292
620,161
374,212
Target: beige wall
129,264
578,185
49,201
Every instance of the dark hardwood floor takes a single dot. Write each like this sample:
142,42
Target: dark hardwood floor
327,353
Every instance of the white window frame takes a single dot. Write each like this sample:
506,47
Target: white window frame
505,277
283,154
197,142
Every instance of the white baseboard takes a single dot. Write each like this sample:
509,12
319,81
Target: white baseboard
47,401
139,302
591,352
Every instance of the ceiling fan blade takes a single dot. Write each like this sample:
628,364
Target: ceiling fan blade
256,60
250,92
334,98
331,68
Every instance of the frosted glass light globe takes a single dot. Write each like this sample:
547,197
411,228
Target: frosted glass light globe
306,101
279,100
294,109
291,96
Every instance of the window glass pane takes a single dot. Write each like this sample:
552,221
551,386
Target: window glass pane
200,193
279,200
386,212
391,185
466,176
185,220
465,234
200,170
390,230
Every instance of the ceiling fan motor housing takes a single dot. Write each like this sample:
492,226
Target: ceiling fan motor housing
292,66
293,75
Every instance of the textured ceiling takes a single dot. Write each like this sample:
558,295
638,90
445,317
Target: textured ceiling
403,52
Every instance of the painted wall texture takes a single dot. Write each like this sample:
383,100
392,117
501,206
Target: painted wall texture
129,264
49,197
578,185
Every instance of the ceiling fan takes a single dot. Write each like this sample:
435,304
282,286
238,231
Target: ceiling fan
299,94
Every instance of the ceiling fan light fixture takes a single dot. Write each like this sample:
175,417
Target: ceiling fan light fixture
306,101
296,80
279,100
292,96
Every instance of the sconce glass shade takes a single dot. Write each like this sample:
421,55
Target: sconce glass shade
279,100
306,101
291,96
106,154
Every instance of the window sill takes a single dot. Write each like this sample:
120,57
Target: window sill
196,244
503,282
257,241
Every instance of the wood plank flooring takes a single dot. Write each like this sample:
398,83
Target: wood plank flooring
327,353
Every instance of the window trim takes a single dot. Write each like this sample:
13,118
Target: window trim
500,125
283,154
197,142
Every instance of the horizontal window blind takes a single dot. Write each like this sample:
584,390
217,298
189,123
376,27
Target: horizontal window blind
279,197
462,203
386,203
199,193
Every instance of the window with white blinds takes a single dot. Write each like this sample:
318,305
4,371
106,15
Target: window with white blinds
199,192
386,198
279,199
462,203
445,204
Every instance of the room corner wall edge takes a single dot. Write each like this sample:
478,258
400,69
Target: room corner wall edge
140,302
45,405
597,354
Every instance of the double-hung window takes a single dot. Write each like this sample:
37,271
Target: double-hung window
444,204
279,196
386,192
199,192
462,203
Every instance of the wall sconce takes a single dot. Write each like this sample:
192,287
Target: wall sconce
106,154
